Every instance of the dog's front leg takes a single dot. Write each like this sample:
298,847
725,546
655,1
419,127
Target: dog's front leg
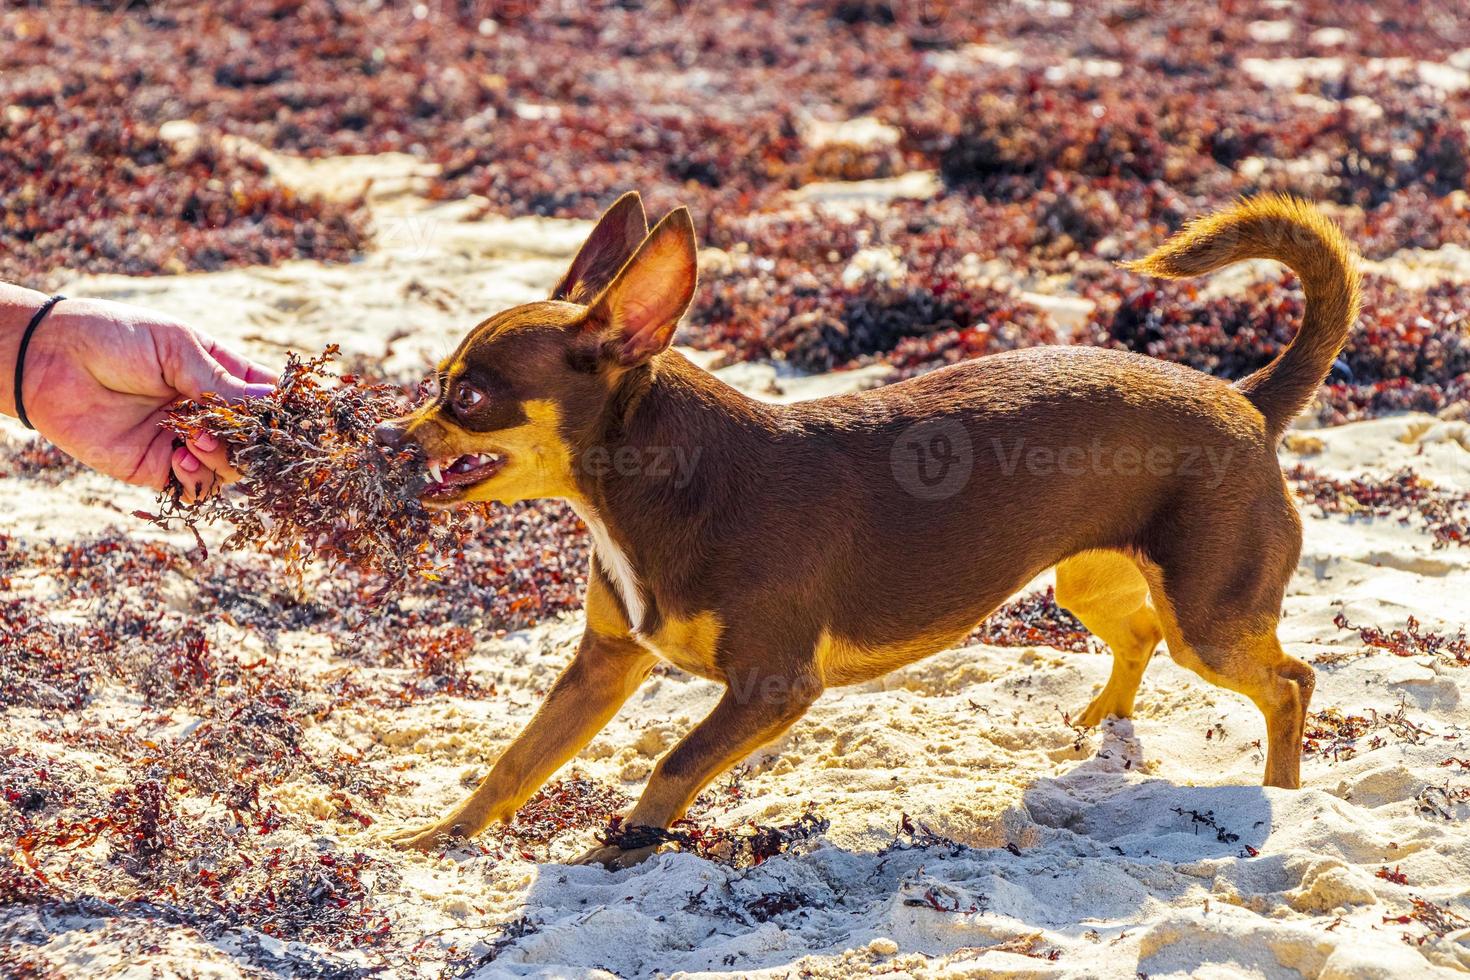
742,722
602,675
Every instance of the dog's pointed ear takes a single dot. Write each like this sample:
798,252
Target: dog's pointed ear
613,241
638,312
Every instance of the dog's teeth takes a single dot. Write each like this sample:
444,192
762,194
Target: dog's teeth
434,472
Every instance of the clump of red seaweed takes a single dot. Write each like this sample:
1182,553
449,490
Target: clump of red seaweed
1054,171
37,459
1438,920
1413,641
744,846
1332,734
82,184
564,806
189,821
1445,514
1034,620
316,484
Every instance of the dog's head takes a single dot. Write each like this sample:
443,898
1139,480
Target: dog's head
529,386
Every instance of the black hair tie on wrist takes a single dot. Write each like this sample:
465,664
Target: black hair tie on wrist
20,357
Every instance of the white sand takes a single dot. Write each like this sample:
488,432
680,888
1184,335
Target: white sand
1106,867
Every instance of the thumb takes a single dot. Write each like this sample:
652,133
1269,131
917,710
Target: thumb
195,373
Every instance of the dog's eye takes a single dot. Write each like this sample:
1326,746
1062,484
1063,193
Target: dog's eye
467,398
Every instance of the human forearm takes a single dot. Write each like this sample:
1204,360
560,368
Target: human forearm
17,306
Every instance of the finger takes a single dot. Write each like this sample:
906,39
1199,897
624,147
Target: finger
153,468
186,469
193,372
197,480
259,374
207,448
240,366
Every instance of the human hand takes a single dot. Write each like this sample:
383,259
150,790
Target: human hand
100,378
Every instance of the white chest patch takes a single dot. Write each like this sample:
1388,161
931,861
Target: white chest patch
615,563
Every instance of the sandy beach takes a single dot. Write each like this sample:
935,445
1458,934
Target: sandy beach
970,831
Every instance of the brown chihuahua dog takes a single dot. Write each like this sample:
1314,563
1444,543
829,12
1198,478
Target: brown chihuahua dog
829,542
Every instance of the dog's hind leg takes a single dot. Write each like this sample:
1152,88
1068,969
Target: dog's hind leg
1284,700
1253,664
1219,599
1108,593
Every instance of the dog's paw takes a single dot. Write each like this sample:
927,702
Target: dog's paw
1089,717
616,858
434,837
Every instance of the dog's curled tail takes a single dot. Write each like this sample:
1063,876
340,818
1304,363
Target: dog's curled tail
1295,233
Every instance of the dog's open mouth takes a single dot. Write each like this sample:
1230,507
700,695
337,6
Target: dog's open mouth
447,478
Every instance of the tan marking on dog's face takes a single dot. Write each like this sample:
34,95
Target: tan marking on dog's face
536,460
497,430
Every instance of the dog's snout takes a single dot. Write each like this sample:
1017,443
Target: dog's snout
390,434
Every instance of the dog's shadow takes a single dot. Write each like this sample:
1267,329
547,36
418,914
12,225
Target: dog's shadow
1103,800
1095,847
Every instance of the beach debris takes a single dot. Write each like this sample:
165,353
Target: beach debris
1207,820
747,845
565,806
1396,876
1049,171
1443,514
317,486
1413,641
915,834
95,189
1334,735
1438,920
1034,620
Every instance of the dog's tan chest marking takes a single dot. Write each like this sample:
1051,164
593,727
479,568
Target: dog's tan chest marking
688,644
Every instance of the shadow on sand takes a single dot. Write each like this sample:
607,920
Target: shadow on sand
1090,852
